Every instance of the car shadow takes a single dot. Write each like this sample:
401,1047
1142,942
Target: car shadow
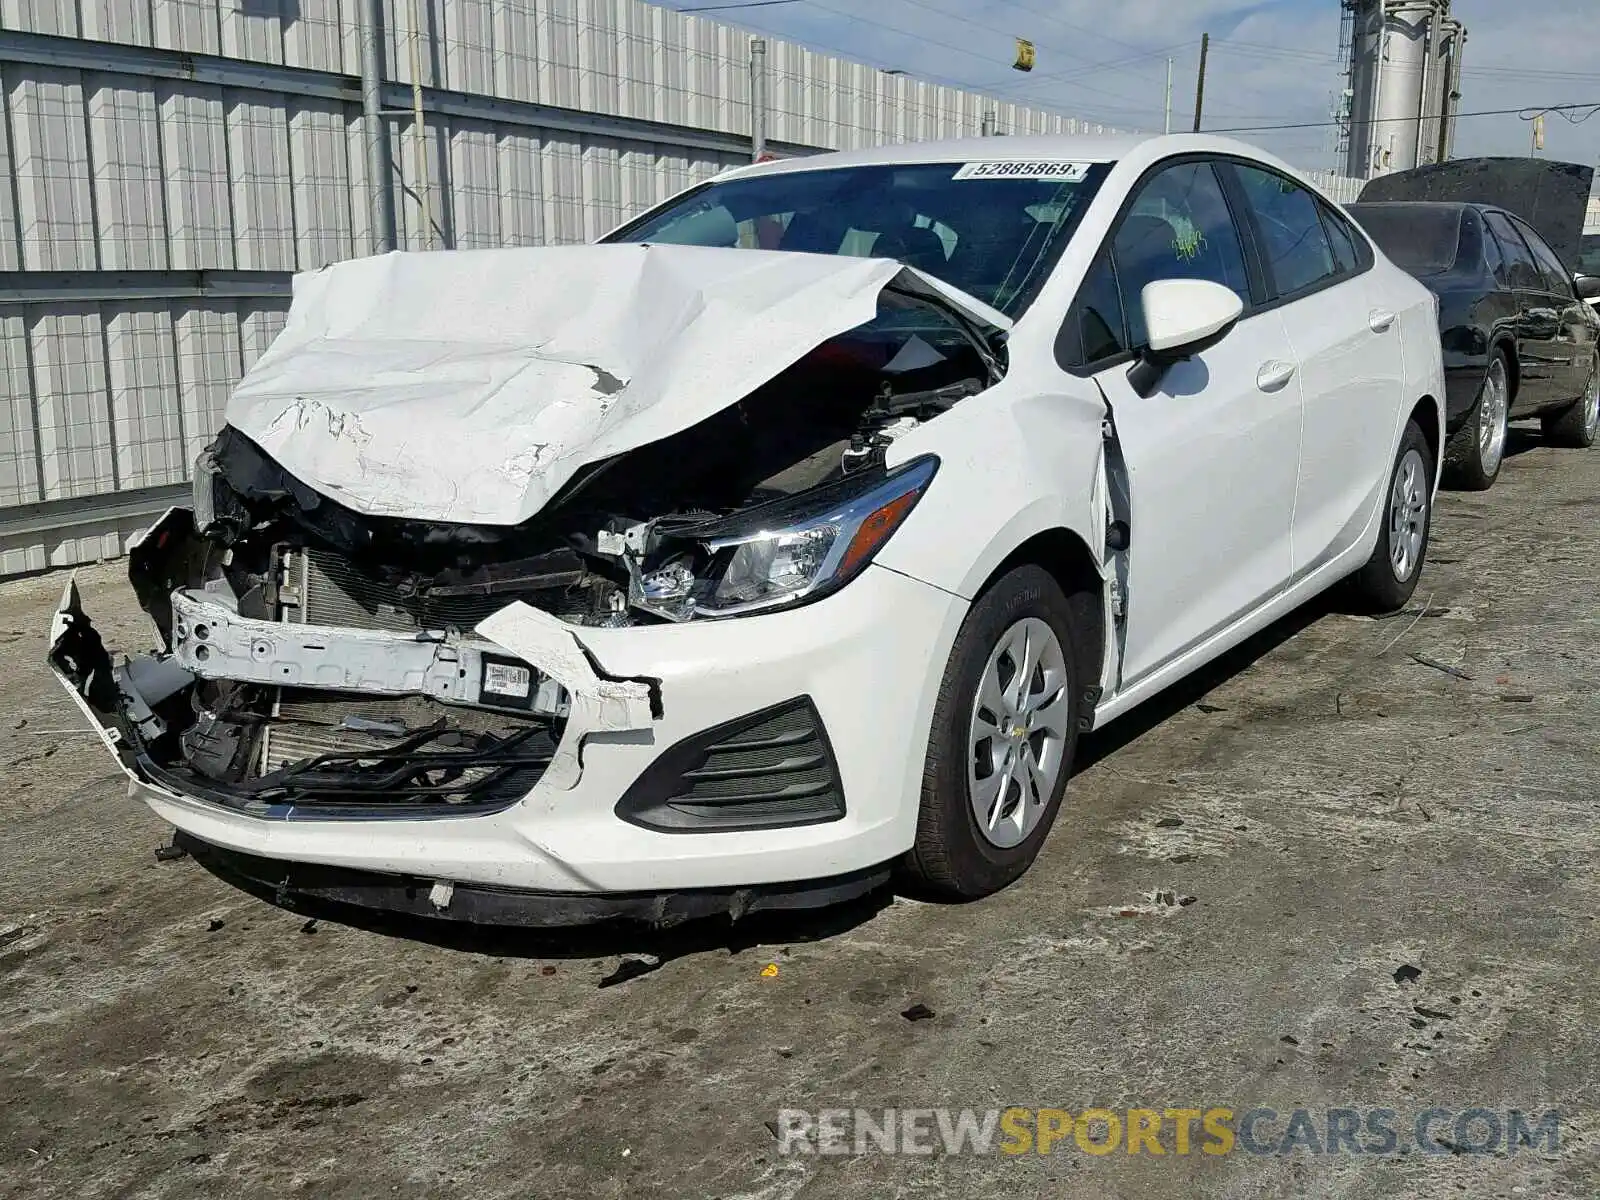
1521,439
1101,744
645,948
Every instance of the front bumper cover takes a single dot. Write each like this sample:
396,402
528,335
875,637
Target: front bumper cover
868,659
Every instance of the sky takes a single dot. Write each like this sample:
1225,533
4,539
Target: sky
1272,62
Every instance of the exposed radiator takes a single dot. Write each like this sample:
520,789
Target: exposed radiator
336,592
311,722
323,588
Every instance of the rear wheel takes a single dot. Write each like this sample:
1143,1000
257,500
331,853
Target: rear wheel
1390,576
1473,456
1576,424
1005,728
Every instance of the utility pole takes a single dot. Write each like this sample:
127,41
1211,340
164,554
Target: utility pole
374,132
1168,123
419,129
1200,81
758,99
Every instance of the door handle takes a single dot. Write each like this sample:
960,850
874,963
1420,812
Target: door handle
1273,374
1379,320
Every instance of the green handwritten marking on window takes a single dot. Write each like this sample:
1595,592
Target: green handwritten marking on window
1187,241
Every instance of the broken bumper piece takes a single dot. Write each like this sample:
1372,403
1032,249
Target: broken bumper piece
824,708
294,885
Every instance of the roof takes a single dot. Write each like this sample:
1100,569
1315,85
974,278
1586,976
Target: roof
1068,147
1417,206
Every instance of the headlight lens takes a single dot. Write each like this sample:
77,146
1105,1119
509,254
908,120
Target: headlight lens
785,557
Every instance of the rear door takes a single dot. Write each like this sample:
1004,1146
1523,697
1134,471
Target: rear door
1574,336
1212,454
1541,364
1346,339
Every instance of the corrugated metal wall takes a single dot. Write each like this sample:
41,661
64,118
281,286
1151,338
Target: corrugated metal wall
170,161
1342,188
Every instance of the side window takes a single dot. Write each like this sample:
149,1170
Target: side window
1294,243
1094,328
1520,269
1492,258
1345,255
1178,227
1557,278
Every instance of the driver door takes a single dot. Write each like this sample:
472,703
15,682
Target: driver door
1213,453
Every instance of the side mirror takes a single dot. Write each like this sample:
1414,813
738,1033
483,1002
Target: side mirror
1183,317
1588,286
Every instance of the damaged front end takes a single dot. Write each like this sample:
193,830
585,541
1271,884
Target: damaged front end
320,662
288,685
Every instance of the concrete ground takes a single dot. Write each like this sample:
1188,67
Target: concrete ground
1394,886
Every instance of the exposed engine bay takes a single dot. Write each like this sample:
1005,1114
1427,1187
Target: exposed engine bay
320,660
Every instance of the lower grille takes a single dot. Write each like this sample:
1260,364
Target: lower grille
359,751
771,769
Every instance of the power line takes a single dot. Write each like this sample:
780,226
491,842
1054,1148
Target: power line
1482,112
1094,33
716,8
1096,68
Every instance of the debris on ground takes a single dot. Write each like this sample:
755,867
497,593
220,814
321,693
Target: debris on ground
1425,661
215,924
919,1012
170,853
310,926
1210,708
1170,823
632,968
1406,973
1516,699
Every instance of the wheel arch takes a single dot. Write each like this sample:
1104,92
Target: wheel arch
1064,554
1507,345
1425,412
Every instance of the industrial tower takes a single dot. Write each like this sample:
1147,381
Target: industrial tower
1402,84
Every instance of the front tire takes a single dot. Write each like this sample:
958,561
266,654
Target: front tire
1575,425
1386,582
1473,456
1005,728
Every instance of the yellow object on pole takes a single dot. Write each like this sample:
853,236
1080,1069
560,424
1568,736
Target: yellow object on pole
1024,56
1538,132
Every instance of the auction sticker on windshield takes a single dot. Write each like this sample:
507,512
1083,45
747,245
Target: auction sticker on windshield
1049,172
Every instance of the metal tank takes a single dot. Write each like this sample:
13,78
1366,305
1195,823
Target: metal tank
1403,80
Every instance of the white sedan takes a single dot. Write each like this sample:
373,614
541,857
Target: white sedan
787,538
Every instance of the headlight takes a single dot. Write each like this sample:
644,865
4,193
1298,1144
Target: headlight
783,553
204,492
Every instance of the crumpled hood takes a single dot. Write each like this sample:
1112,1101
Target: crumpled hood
469,386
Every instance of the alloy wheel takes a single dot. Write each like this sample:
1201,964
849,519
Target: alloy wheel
1018,736
1494,408
1408,515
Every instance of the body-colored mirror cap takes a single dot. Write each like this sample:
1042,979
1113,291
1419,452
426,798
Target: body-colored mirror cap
1186,312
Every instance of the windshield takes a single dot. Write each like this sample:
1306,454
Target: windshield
1420,239
992,235
1589,254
